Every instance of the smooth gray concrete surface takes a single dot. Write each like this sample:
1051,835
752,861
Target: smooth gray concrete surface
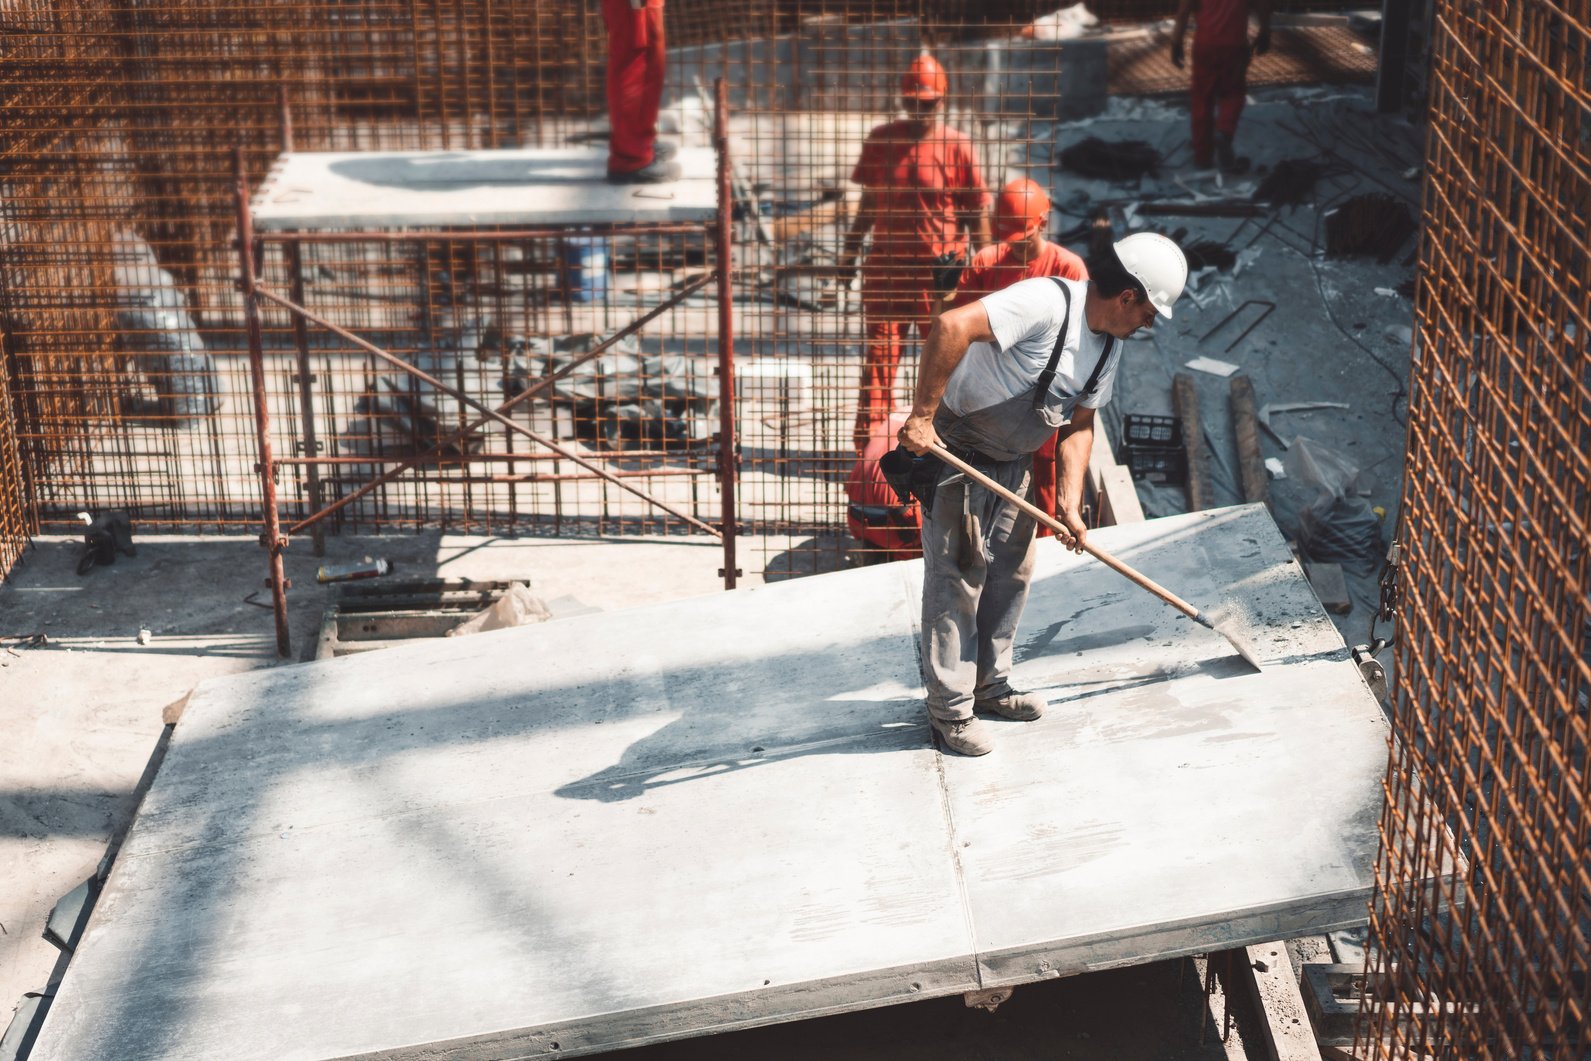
563,186
692,817
81,713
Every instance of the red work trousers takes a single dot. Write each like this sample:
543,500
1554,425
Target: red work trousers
1220,80
887,337
635,81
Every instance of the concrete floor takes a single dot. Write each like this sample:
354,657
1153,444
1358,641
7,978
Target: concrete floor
83,714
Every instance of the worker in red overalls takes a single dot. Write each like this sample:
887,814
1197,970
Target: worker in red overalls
1021,217
636,54
887,529
922,199
1221,53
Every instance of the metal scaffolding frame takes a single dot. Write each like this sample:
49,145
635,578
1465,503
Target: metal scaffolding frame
252,245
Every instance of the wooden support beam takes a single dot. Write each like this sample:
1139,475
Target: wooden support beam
1282,1025
1115,496
1246,429
1185,403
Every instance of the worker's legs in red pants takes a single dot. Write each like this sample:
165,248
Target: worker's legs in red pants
1044,481
1220,82
876,398
636,54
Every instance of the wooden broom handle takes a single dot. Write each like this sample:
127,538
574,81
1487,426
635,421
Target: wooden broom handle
1056,525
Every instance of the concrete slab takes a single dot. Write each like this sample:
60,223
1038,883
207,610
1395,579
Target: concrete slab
676,820
351,191
1184,782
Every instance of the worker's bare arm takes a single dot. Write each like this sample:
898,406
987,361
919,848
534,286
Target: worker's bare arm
1072,454
861,224
1179,30
952,332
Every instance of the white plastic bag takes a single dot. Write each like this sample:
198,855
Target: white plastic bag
1338,526
516,607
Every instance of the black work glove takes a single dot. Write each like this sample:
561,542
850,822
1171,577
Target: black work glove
948,268
1176,53
1262,41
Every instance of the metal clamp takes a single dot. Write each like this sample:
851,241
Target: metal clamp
988,999
1370,668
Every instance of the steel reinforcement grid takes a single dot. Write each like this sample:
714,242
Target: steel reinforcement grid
14,509
119,274
1488,792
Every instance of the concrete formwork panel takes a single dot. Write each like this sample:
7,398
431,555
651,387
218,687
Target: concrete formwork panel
681,819
366,190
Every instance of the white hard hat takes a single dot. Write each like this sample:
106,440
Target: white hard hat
1158,264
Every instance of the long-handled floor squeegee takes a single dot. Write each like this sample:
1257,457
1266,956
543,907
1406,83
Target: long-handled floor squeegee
1099,554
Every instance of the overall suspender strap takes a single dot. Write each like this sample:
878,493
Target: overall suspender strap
1100,366
1047,377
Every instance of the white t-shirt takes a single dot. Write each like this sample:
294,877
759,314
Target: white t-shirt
1025,319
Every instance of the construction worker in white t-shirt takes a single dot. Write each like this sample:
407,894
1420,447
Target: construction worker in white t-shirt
998,377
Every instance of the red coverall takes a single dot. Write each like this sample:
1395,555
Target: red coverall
1220,71
635,81
993,268
899,539
923,188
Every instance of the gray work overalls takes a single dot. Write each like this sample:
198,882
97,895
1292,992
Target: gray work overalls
978,549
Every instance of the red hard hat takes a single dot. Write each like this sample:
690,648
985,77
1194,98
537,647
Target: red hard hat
1021,208
924,79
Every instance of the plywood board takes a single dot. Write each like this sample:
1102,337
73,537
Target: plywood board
660,823
367,190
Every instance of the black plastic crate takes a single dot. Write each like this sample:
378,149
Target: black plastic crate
1159,432
1156,464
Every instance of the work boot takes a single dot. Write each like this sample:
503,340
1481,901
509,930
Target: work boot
1018,707
654,172
965,736
1225,159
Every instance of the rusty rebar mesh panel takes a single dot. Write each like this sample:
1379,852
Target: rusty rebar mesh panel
1299,55
14,522
1493,673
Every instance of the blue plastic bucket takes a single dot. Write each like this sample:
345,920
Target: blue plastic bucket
585,259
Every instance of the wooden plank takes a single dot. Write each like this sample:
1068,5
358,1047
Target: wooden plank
1118,497
1330,586
1285,1032
1246,428
1185,404
1115,496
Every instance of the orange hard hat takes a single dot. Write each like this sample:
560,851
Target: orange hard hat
1019,211
924,79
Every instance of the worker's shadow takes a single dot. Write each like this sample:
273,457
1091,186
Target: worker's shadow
458,170
853,727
